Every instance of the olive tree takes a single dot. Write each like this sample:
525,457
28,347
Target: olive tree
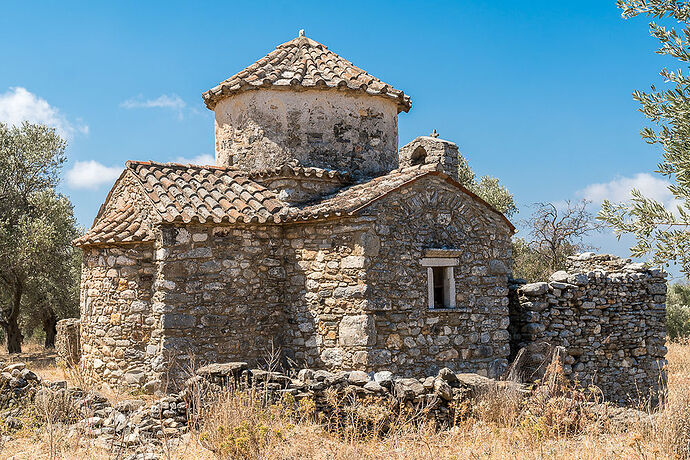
488,188
660,232
37,226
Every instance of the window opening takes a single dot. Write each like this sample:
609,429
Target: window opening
440,287
418,156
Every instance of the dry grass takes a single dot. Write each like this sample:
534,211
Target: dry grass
496,428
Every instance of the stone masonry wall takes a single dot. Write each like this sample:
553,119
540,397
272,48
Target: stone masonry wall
608,313
325,288
67,342
411,339
118,328
219,291
357,294
331,129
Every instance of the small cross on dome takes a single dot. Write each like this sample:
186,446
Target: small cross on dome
434,134
301,32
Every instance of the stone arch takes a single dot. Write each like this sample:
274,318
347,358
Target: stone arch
418,156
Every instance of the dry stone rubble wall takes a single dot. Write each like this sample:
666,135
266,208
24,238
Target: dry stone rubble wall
609,315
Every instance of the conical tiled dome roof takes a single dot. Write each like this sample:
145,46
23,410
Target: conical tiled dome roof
304,63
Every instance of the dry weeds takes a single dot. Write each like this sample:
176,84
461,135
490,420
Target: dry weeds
239,427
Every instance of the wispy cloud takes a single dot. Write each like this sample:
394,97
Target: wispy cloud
91,175
18,105
202,159
164,101
619,188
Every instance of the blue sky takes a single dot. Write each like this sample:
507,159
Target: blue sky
535,93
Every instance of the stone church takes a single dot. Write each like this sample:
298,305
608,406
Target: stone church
313,236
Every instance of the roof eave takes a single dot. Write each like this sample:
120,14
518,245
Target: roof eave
213,96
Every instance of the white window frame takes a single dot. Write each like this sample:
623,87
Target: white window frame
449,294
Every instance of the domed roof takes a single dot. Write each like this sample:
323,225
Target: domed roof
303,63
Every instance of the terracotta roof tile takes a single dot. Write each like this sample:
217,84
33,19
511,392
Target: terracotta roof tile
295,170
186,193
205,193
118,226
304,63
352,199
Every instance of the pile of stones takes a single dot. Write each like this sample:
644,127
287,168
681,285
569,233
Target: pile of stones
135,430
126,426
17,383
435,394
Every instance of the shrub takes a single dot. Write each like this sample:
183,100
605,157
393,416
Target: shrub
678,312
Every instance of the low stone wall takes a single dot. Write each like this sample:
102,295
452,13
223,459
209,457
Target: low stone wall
608,314
67,341
135,429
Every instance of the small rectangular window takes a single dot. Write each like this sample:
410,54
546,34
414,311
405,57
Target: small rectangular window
441,281
441,287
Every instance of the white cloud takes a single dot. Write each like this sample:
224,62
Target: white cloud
164,101
619,189
203,159
18,105
91,174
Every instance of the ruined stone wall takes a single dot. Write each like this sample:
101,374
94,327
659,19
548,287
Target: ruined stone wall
410,338
608,313
259,130
67,342
119,330
219,290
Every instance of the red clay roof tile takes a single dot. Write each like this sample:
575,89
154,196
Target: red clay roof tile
187,193
304,63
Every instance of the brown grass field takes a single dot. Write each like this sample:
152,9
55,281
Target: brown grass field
496,429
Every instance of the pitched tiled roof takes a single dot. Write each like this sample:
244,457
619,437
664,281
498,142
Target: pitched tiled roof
350,200
192,193
304,63
216,194
121,225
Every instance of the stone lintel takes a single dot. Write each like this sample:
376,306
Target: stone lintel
440,252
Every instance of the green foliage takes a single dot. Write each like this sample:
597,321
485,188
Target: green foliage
488,188
660,232
678,311
532,265
554,234
37,261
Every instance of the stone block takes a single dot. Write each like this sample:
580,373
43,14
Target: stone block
534,289
356,330
178,321
353,262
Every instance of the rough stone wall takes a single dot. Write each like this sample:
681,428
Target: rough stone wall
325,294
259,130
431,150
357,292
67,342
608,313
297,190
410,338
219,290
118,327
